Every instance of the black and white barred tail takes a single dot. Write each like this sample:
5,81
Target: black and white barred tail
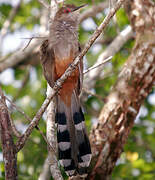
74,150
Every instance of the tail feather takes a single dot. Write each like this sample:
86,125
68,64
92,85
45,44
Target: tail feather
73,144
84,149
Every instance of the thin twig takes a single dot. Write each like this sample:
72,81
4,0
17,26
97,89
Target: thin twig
18,56
13,127
29,119
8,22
20,143
18,109
37,37
30,39
114,47
45,4
93,10
97,65
93,94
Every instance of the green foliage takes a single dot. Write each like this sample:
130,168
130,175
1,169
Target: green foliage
137,162
4,12
122,19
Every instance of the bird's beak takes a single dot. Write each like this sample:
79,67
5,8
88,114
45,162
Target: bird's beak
75,9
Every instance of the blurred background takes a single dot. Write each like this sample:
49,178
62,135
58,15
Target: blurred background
24,84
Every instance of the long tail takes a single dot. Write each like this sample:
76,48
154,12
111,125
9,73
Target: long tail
73,144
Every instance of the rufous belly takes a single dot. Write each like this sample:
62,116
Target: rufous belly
70,83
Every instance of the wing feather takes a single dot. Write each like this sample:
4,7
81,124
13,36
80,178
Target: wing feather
47,61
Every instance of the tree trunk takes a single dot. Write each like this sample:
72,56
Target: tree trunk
8,146
134,83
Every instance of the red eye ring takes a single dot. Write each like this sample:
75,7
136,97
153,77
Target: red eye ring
67,10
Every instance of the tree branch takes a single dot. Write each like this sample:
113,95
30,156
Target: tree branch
18,56
98,65
13,127
7,23
115,46
93,94
45,4
52,139
93,10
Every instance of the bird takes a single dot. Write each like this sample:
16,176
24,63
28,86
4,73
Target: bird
58,51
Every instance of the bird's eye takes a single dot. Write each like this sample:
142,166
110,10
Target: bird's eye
67,10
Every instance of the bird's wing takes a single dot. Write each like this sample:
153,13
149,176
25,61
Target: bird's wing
47,61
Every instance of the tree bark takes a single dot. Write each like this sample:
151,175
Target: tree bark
134,83
8,147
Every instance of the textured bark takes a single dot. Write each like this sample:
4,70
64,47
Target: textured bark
8,146
134,83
